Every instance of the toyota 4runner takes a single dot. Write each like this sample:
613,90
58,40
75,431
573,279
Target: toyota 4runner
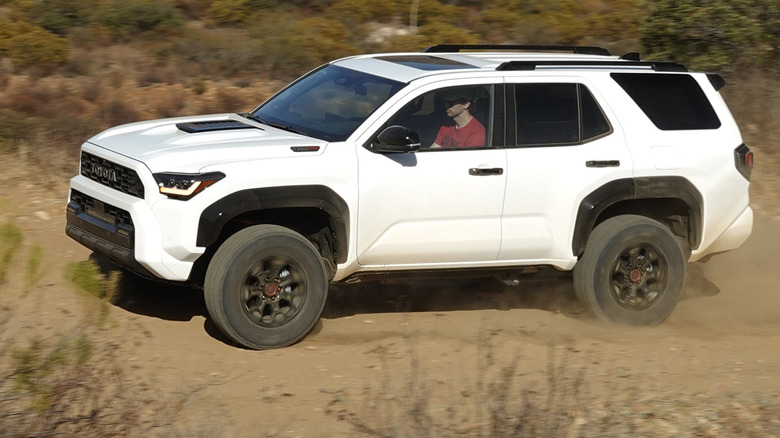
620,169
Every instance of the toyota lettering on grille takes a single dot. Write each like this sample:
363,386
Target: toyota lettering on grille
105,173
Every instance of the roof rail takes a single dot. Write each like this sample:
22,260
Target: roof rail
586,50
532,65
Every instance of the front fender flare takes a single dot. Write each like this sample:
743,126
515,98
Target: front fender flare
214,217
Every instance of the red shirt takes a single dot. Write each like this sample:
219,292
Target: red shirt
471,135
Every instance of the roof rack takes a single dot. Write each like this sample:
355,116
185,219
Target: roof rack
532,65
586,50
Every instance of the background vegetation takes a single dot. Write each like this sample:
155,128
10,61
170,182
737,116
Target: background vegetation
71,68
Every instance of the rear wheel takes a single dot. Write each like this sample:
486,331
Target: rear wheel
266,287
632,271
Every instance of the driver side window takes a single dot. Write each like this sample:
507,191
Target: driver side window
450,118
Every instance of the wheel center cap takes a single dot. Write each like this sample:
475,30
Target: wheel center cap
271,289
635,275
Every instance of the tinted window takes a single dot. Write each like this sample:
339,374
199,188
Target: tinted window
557,114
670,101
594,123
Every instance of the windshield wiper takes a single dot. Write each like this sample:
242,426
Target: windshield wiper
274,124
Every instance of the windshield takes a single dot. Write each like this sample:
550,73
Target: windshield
329,103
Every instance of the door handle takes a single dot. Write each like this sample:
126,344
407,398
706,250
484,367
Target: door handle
474,171
602,163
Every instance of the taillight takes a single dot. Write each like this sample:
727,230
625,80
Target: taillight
743,158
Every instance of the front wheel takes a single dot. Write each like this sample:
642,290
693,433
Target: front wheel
632,271
266,287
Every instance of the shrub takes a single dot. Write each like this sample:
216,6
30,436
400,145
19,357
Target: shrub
215,54
496,402
228,11
31,98
711,35
88,279
13,128
325,39
128,18
36,47
438,33
225,100
66,387
58,16
361,11
292,45
117,112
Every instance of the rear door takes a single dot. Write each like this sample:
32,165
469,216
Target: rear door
562,143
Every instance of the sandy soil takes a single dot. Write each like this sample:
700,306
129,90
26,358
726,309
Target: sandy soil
381,349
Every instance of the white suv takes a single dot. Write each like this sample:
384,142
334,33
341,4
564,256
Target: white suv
619,169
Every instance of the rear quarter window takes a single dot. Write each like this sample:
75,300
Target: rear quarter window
673,102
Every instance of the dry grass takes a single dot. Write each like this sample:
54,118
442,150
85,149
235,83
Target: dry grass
496,398
44,120
492,399
72,382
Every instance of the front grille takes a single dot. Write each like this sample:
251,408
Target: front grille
110,174
99,209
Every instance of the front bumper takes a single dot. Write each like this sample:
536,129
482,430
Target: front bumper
128,231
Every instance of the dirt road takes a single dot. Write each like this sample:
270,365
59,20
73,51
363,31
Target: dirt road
383,352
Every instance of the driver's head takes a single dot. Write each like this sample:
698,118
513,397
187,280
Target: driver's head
456,101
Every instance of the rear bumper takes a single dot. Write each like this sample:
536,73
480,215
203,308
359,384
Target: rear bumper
732,238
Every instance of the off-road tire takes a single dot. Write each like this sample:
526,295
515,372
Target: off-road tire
266,287
632,271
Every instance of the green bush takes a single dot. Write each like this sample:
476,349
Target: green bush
361,11
713,35
325,39
58,16
36,46
291,44
215,54
228,11
126,19
428,35
432,12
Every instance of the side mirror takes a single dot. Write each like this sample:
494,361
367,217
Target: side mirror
396,139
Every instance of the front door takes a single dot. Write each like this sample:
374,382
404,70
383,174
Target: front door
440,204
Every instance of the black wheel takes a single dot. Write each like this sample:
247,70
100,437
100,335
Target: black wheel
632,271
266,287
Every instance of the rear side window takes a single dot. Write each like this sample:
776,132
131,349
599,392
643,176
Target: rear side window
557,114
672,102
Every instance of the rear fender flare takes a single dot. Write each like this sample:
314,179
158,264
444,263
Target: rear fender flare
613,192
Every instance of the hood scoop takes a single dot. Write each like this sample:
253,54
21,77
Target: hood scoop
217,125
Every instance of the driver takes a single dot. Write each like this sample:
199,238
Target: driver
466,131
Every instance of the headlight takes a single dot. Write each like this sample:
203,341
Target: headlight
185,185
